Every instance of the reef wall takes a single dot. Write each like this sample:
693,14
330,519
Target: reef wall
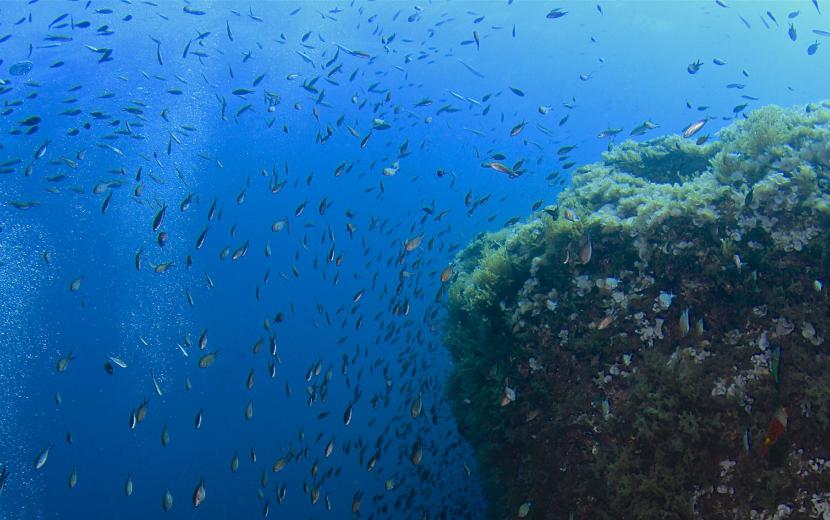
654,346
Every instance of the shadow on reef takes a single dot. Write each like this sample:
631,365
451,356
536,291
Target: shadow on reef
655,347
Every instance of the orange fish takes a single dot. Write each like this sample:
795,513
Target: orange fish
776,428
605,322
446,274
413,243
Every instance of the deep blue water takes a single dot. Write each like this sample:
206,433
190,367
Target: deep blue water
633,59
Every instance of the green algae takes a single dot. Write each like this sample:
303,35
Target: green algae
669,159
619,407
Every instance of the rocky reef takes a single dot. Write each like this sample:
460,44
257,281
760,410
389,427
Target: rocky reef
657,344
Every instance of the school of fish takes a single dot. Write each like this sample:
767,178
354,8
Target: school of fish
359,251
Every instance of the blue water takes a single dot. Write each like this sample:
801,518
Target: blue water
633,58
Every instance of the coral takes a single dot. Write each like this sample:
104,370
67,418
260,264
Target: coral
643,372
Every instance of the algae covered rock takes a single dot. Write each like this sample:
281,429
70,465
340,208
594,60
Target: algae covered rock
657,347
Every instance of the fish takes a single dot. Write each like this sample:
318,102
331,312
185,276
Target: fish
117,361
684,323
159,218
4,476
555,13
167,500
390,171
141,412
417,406
128,486
235,462
165,435
775,365
508,396
570,215
73,477
777,427
208,359
199,493
279,464
105,205
585,249
58,20
446,274
347,414
329,448
189,10
501,168
693,128
517,129
40,151
605,322
413,243
356,502
643,128
470,68
739,108
609,132
23,205
42,457
30,121
417,453
63,362
200,240
812,48
694,67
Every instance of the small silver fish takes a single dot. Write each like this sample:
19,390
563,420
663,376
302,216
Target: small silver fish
156,383
42,457
117,361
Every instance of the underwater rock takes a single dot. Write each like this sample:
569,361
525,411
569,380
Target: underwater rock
659,394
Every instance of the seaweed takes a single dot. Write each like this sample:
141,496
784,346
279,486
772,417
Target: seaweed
642,375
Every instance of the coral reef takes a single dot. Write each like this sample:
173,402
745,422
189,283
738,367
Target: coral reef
657,347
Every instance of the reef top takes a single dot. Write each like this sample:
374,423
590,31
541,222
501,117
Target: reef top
653,342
